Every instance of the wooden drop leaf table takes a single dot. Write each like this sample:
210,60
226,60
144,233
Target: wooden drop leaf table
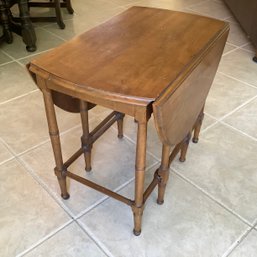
140,62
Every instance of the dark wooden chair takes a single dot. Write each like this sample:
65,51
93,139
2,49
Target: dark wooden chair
57,5
22,25
6,23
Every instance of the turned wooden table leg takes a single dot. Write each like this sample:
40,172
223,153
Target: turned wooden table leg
138,206
198,126
85,137
184,147
120,126
60,171
163,173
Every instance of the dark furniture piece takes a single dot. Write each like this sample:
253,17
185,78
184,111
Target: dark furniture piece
246,14
22,25
5,22
56,4
140,62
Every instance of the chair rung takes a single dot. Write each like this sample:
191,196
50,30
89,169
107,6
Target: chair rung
46,5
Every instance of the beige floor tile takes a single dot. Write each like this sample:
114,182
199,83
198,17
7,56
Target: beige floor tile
113,163
72,241
236,35
26,60
28,213
245,119
23,122
248,247
74,27
14,81
250,47
231,19
226,94
228,48
239,65
100,10
223,163
187,224
4,153
45,40
4,58
126,3
213,9
167,4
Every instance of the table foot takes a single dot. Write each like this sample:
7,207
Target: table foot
65,196
136,233
138,213
160,202
195,140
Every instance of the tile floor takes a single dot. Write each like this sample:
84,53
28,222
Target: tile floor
210,207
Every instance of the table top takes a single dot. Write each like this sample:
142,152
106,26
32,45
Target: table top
136,55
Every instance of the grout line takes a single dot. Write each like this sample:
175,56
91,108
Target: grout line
45,187
45,238
211,197
119,188
231,44
234,110
209,127
238,108
91,207
7,160
38,180
239,131
237,242
229,76
94,238
31,55
5,63
132,141
20,96
255,224
45,141
8,55
45,29
231,51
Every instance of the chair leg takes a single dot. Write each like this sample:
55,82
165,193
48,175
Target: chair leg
197,126
7,34
59,14
60,170
184,147
85,137
255,57
138,205
27,30
163,173
68,6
